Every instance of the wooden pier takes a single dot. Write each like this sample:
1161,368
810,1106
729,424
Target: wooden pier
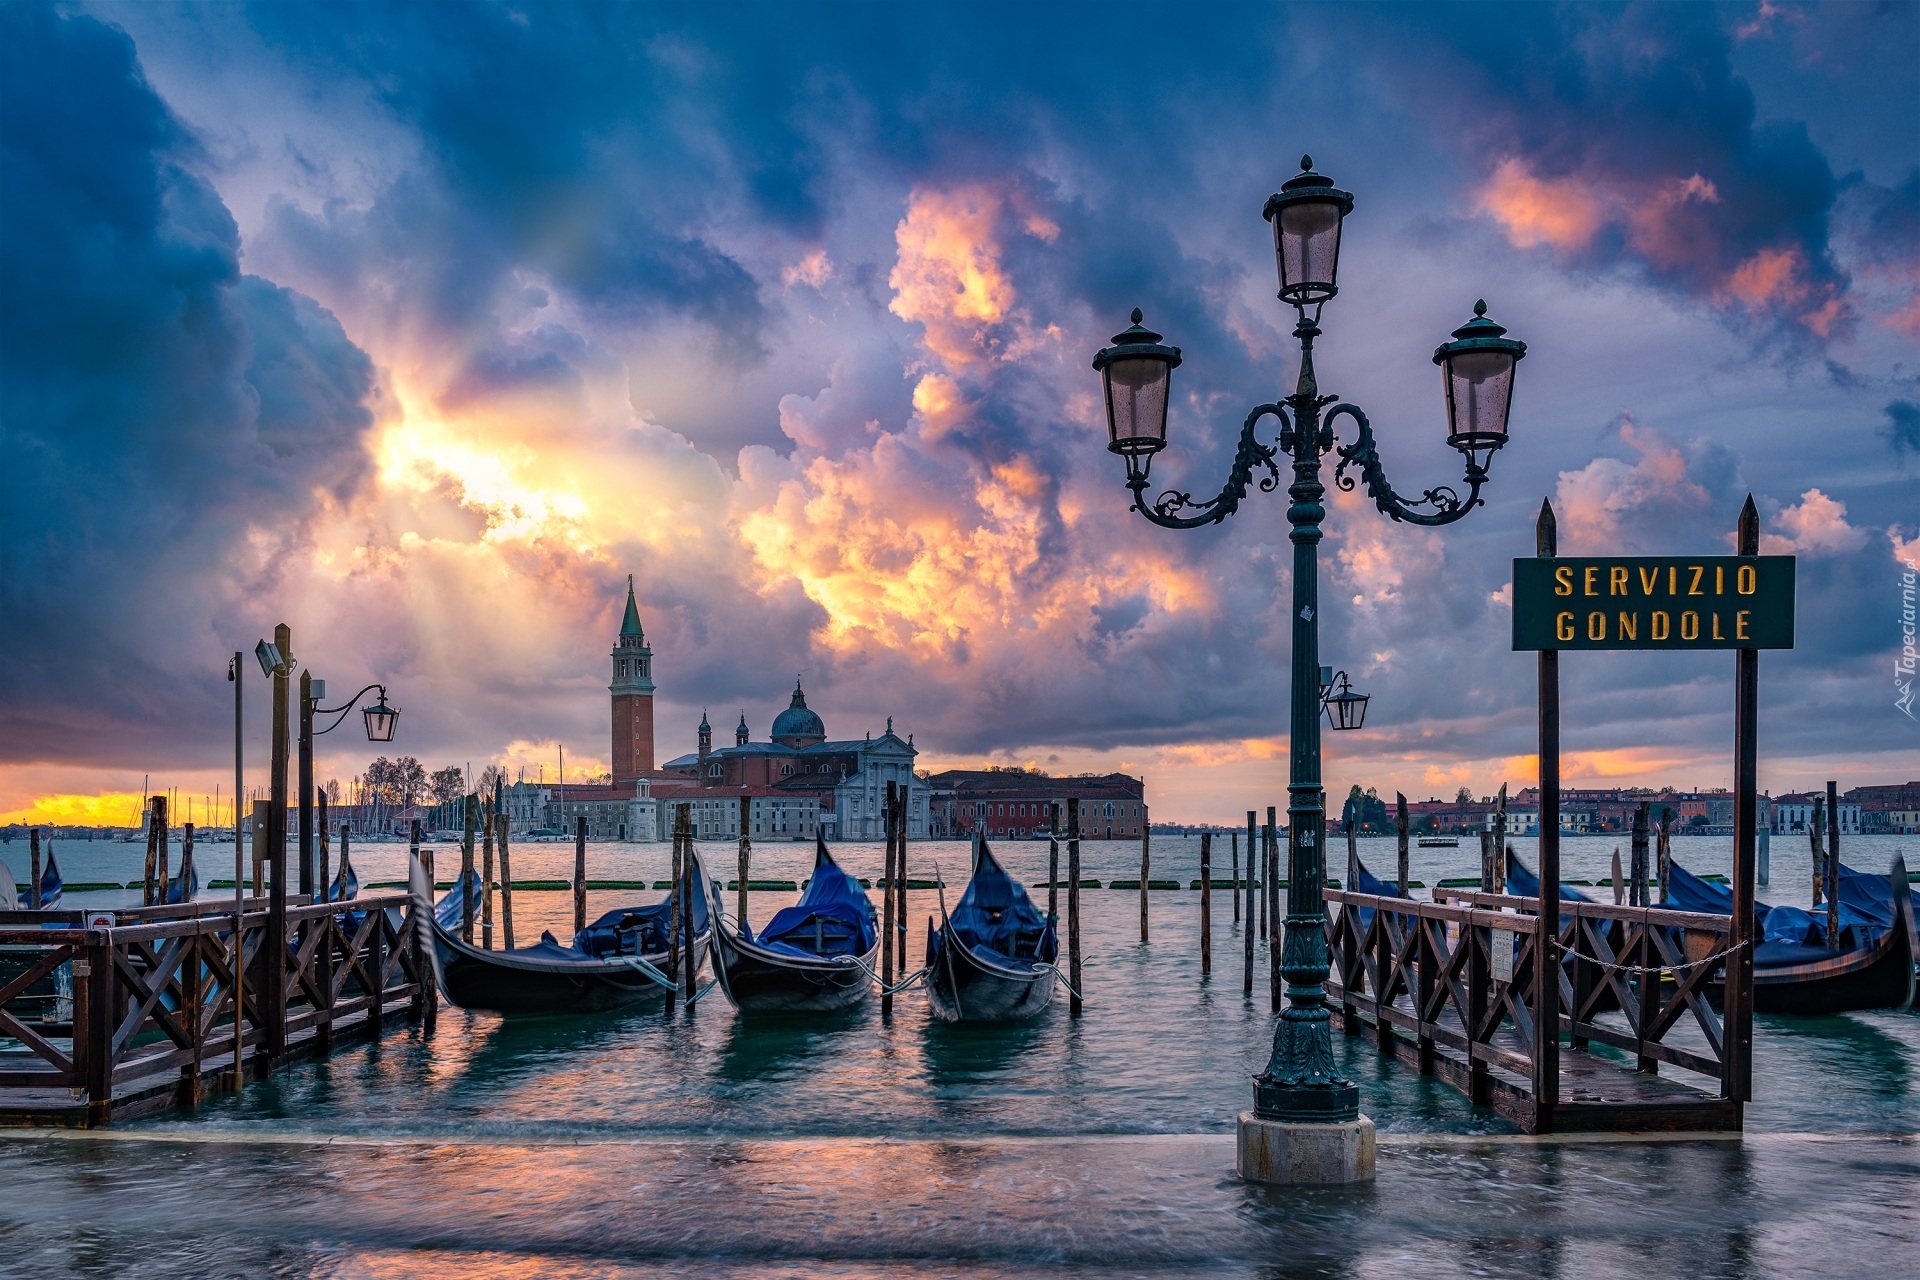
148,1019
1451,987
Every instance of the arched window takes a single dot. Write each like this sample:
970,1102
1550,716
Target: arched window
786,771
713,770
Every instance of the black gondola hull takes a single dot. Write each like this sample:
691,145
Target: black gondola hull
761,981
473,978
963,988
1876,977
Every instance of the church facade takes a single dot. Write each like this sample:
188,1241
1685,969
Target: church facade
846,778
797,783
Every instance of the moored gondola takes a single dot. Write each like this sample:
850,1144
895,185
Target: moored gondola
1798,969
813,956
619,960
991,960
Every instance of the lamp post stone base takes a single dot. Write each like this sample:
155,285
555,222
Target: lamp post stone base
1281,1152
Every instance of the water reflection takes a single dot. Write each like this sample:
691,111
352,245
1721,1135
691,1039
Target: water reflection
852,1208
779,1047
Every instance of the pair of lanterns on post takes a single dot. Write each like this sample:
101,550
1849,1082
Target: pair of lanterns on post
1306,215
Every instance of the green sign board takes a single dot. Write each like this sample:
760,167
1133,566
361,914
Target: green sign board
1653,602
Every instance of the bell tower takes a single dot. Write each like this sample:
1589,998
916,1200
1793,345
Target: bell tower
632,691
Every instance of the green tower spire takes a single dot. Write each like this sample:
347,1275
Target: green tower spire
630,625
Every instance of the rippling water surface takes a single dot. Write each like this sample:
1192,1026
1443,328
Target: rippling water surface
704,1144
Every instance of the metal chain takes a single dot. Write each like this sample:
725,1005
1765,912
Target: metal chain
1645,970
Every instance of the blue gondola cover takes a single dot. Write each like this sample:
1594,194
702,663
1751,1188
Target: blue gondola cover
997,921
832,918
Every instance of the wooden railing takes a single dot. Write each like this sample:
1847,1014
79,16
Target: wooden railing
1462,974
1650,965
152,995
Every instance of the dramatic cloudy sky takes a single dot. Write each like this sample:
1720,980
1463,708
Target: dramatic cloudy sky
420,327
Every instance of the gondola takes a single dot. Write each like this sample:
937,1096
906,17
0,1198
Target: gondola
51,886
1797,969
617,961
185,882
813,956
992,959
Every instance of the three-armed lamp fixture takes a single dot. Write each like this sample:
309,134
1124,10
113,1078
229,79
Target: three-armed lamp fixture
1306,215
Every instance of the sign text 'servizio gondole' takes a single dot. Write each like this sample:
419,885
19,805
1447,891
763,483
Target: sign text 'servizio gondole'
1653,602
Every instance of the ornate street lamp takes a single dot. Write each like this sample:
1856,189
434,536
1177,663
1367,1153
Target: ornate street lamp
1345,708
1301,1084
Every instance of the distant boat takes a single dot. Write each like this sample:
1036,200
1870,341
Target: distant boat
1437,842
813,956
992,959
1797,969
613,963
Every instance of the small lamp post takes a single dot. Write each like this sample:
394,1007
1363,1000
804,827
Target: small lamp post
1301,1085
380,721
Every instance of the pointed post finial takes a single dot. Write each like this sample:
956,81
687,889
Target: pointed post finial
1306,163
1480,307
1546,532
1137,316
1749,529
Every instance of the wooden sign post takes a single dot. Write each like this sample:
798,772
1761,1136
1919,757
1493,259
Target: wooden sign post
1742,602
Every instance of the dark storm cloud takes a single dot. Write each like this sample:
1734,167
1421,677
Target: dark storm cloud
1631,118
167,421
1902,427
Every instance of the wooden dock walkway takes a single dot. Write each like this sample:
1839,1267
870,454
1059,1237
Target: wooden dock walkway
1450,988
128,1018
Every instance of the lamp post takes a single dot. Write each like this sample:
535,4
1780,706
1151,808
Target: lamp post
380,720
1301,1085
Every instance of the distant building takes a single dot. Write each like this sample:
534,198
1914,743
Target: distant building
632,691
845,781
1020,804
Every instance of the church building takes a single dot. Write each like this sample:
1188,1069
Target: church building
847,778
795,785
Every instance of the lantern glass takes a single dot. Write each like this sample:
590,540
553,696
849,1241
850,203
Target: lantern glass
1347,709
1306,242
380,721
1137,389
1479,388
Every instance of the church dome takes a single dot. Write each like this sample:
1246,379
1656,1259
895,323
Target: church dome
797,726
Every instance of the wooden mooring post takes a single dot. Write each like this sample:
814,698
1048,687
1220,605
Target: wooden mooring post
1833,865
1146,858
743,861
1247,930
580,874
886,904
506,877
1206,903
323,883
427,994
1073,903
1400,837
33,869
486,875
1637,867
274,1004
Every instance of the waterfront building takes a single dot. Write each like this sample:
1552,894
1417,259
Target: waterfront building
845,781
1020,803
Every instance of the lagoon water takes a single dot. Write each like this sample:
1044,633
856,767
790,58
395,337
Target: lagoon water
700,1144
